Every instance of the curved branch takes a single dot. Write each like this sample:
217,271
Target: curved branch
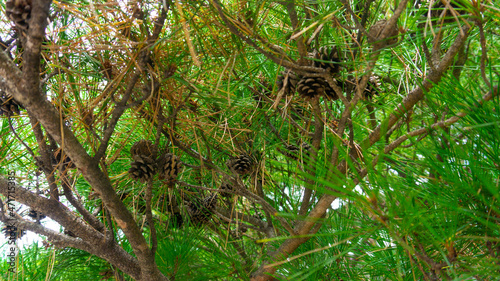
40,108
68,193
91,240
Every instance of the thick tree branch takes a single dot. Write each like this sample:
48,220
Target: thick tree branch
91,240
31,55
49,118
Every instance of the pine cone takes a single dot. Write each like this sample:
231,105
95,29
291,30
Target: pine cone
330,92
210,202
294,151
169,167
327,59
143,168
201,212
291,83
226,186
310,87
370,90
8,106
107,69
19,11
143,147
12,232
376,39
241,165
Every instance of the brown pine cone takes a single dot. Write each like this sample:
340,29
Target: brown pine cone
169,167
143,168
370,90
328,59
143,147
310,87
241,165
200,211
19,11
291,83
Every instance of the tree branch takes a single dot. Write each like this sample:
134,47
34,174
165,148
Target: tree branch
49,118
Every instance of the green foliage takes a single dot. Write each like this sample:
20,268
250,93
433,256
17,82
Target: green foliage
37,263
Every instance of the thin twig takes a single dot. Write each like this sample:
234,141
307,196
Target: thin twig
68,193
316,143
484,52
185,28
292,13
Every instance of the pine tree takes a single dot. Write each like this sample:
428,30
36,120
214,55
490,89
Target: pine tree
305,140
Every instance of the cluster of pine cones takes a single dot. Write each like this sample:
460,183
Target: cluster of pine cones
168,166
19,11
145,166
201,211
310,87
